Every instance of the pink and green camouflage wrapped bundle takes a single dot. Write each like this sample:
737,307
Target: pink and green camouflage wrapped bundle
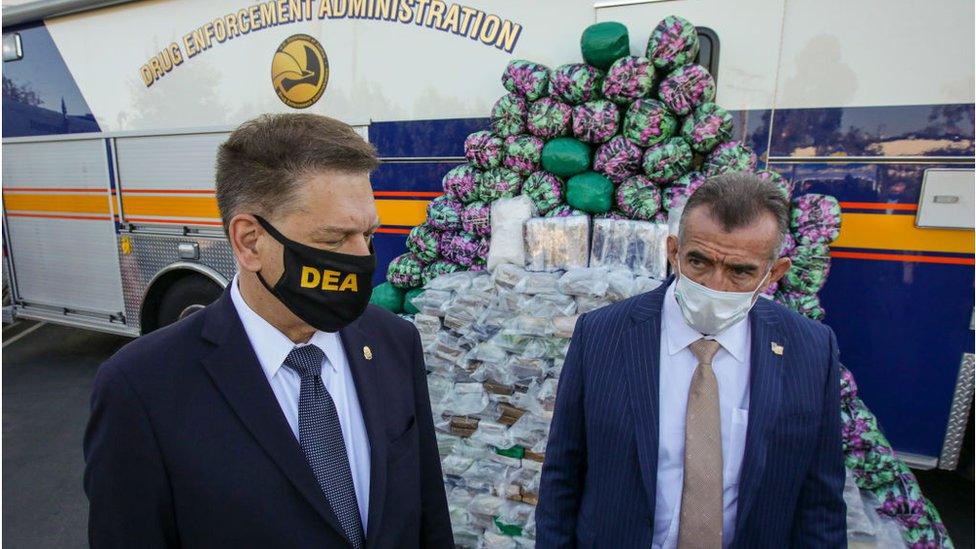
648,122
731,156
638,198
811,265
686,88
404,271
476,219
508,115
789,246
785,185
681,189
615,215
805,304
564,210
595,121
438,268
815,219
549,118
523,153
544,189
444,239
498,183
422,242
461,183
618,159
444,213
484,150
706,127
528,79
628,79
465,247
667,161
575,83
673,43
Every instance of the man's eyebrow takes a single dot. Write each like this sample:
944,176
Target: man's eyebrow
748,267
334,229
698,255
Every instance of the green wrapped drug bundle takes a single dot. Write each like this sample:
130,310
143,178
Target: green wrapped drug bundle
590,192
388,296
566,157
604,43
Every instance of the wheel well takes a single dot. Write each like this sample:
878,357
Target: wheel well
149,311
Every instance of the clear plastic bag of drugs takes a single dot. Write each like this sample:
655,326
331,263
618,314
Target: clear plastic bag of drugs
638,246
557,243
585,281
538,283
466,399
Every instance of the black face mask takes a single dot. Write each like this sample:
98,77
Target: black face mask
327,290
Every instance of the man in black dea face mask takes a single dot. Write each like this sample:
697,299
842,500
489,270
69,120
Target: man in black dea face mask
289,413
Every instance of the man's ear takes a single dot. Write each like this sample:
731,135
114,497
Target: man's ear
244,231
780,267
673,251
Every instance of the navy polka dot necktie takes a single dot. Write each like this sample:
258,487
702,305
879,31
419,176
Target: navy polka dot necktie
320,436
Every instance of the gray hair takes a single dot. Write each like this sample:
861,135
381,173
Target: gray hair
739,199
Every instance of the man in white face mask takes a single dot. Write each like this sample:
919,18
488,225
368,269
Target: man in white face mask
699,415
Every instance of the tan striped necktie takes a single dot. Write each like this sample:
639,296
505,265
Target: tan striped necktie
700,523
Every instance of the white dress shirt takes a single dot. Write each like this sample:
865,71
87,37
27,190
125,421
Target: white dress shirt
731,366
272,347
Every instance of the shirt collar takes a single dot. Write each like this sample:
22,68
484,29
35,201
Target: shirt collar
735,339
269,344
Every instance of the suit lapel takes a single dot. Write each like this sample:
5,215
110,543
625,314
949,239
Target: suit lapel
371,403
765,392
235,371
642,352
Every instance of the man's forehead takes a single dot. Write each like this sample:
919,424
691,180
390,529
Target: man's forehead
754,240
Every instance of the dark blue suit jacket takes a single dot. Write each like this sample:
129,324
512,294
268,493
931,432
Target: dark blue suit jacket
599,479
187,445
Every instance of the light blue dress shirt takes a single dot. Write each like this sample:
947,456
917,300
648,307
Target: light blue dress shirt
271,347
731,366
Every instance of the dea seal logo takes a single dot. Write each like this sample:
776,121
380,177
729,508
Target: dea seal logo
300,71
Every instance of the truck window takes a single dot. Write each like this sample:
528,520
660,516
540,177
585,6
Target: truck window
708,50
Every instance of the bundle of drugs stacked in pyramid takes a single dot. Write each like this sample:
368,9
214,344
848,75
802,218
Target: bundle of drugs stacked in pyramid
617,137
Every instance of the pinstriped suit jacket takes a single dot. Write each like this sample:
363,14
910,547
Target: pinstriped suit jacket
600,474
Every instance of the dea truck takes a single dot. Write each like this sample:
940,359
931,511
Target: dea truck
113,111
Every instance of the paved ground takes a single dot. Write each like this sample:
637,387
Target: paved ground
47,375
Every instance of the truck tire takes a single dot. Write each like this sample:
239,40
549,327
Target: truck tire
185,297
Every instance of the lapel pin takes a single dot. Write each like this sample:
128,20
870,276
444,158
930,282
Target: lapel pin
777,348
368,353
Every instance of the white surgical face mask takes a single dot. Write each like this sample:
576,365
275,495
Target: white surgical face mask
710,311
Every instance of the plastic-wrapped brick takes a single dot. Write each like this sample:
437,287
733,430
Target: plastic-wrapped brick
815,219
545,190
668,160
575,83
476,219
628,79
523,153
498,183
404,271
595,121
673,43
508,115
639,198
438,268
484,150
549,118
686,88
525,78
706,127
444,213
461,183
679,191
731,156
648,122
618,159
422,242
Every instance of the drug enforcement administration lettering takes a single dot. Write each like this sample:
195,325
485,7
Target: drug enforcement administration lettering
463,21
329,280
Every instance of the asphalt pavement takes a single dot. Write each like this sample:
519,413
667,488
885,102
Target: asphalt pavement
47,377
